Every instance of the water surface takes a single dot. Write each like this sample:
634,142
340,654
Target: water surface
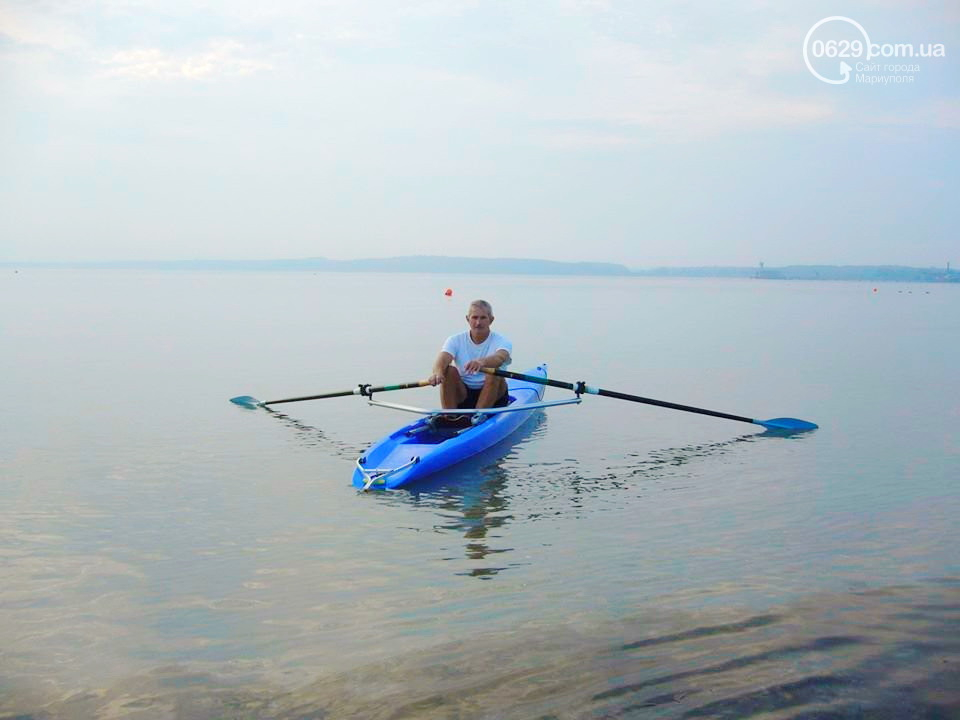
167,554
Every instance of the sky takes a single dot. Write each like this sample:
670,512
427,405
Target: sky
648,133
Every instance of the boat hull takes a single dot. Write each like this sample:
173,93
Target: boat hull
420,450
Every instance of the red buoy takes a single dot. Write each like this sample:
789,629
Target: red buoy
448,292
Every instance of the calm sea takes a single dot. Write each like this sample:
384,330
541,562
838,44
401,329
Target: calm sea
166,554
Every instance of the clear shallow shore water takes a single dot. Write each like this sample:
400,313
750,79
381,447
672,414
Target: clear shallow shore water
167,554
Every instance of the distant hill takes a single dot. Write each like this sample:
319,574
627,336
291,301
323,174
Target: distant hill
521,266
407,264
486,266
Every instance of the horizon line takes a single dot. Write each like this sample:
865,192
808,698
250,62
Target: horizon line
760,266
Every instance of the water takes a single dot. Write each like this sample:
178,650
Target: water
167,554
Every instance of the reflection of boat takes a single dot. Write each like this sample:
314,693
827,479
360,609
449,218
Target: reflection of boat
445,437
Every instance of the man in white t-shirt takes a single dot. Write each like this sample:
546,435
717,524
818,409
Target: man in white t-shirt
457,368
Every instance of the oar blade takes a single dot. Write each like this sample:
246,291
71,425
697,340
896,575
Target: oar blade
251,403
787,424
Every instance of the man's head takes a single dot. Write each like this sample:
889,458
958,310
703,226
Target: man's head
479,317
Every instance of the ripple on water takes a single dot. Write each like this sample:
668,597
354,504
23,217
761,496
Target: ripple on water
889,653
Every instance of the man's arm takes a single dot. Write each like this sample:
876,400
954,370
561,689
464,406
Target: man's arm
498,358
440,367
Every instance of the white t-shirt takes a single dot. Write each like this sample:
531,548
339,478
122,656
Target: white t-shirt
464,350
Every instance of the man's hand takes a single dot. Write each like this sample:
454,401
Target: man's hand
473,366
495,360
435,379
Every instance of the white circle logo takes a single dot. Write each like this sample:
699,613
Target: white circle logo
830,43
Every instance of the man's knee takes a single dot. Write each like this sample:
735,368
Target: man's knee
453,388
495,383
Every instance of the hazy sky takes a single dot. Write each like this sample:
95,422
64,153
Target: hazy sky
644,132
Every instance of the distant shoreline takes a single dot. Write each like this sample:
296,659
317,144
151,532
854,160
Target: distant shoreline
515,266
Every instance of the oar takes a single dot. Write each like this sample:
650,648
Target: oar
252,403
791,424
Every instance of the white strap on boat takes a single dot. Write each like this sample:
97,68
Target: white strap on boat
475,411
378,474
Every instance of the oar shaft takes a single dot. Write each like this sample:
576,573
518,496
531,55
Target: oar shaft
665,404
360,390
342,393
614,394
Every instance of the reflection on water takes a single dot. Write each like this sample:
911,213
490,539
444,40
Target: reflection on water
473,498
482,495
313,437
478,498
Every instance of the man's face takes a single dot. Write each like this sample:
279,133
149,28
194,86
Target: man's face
479,320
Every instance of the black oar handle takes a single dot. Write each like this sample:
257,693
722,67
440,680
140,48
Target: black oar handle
530,378
582,388
360,390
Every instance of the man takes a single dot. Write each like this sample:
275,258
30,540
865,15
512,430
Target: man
457,368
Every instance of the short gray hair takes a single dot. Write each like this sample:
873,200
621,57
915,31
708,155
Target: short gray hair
483,305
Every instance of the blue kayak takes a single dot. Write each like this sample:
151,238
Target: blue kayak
439,440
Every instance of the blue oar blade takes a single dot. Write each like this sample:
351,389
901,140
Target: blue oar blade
788,424
251,403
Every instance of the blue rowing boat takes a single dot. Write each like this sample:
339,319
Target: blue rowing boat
437,440
441,438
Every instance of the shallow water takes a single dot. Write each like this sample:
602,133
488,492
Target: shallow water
168,554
